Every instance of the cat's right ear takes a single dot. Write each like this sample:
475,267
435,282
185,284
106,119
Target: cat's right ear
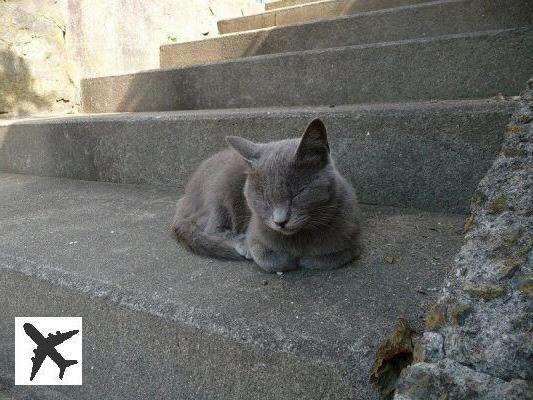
313,150
248,150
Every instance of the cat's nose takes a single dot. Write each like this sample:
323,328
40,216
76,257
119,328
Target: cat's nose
281,224
280,216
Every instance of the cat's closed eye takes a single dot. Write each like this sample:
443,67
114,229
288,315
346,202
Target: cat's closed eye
299,192
263,205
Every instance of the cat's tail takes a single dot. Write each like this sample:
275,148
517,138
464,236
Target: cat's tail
204,244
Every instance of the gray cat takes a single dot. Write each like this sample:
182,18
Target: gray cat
282,204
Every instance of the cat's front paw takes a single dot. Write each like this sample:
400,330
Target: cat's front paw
241,247
271,261
328,261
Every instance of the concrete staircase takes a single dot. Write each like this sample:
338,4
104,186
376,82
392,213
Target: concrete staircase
413,94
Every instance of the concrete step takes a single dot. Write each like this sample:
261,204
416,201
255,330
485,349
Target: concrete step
160,323
472,65
424,155
272,5
408,22
306,12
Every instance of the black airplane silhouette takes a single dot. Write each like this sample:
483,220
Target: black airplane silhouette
46,347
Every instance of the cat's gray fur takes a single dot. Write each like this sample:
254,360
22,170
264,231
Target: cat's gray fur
282,204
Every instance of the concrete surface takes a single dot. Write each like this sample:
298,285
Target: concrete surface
5,394
197,328
447,67
423,155
408,22
306,12
272,5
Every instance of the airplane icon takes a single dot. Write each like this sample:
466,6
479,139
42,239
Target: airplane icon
46,347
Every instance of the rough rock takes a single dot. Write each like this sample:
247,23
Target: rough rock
34,68
450,380
479,343
429,348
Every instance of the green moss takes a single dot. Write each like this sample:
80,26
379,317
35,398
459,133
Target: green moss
509,266
435,317
469,223
487,292
526,248
514,152
526,285
478,198
524,118
513,128
497,205
512,235
458,313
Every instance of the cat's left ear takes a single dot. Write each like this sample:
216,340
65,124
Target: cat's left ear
248,150
313,150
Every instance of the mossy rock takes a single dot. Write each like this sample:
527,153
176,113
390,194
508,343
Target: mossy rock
524,118
458,313
526,248
497,205
469,223
526,286
509,266
512,236
478,198
514,152
435,318
513,128
486,292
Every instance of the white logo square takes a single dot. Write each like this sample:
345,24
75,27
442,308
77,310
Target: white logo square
48,351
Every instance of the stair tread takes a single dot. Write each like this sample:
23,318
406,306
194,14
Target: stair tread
306,12
428,155
404,22
443,38
274,5
113,241
462,104
448,67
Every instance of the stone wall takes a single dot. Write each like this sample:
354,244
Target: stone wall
47,46
479,342
35,71
116,36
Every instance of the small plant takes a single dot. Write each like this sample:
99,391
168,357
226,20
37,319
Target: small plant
497,205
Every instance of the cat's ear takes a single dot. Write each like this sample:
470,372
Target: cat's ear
248,150
313,150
